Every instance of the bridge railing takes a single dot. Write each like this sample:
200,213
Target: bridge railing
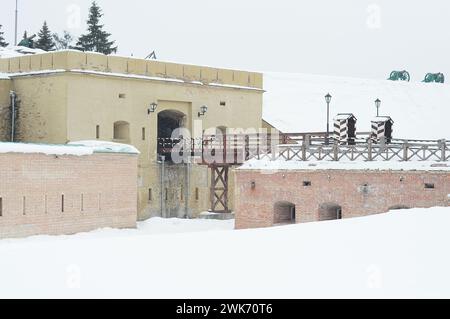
237,148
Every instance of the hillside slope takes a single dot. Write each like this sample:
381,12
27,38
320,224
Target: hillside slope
296,103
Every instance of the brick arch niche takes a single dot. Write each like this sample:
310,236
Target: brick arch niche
330,211
284,213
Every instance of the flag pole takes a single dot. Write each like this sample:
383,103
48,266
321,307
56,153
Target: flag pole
15,37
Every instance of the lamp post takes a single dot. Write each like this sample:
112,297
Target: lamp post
328,100
377,105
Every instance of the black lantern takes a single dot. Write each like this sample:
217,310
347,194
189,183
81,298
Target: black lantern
152,108
203,111
378,104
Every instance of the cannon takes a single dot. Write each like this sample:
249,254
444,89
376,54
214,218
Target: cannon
399,76
27,41
434,78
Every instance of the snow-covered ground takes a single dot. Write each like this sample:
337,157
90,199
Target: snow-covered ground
296,103
400,254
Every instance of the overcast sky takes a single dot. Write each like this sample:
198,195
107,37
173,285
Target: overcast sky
357,38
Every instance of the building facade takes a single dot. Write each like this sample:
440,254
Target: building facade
266,198
69,96
56,190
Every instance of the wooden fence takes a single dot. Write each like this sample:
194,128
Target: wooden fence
236,149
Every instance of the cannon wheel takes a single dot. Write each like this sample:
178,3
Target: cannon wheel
406,76
428,78
440,78
393,76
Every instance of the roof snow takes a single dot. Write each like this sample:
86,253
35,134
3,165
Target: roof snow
296,103
106,147
344,116
76,148
16,51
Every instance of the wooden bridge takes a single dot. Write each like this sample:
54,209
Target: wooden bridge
236,149
220,153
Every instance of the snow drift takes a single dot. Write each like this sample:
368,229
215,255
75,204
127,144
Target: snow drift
399,254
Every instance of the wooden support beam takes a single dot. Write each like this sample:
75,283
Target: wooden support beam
219,188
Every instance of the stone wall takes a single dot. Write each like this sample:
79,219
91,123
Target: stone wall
321,194
48,194
76,60
5,110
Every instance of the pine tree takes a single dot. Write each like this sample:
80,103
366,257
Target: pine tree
3,43
45,40
96,39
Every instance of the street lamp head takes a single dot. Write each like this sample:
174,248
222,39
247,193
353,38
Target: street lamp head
152,108
328,98
203,111
377,103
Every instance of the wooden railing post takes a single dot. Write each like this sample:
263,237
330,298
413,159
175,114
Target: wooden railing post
258,141
405,151
336,151
247,148
369,149
307,140
304,147
443,148
383,143
224,149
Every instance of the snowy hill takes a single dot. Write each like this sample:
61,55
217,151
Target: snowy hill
296,103
399,254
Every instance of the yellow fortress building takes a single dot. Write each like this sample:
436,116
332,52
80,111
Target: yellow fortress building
68,96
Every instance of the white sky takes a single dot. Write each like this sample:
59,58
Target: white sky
357,38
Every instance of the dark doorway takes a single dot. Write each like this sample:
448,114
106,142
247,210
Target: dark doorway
329,211
168,122
284,213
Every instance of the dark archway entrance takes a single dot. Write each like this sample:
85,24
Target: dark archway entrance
168,122
330,211
284,213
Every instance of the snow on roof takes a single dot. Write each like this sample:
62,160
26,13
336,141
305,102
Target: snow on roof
382,119
4,76
77,149
47,149
296,103
280,164
106,147
16,51
343,116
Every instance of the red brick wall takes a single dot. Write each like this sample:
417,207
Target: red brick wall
358,193
99,191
